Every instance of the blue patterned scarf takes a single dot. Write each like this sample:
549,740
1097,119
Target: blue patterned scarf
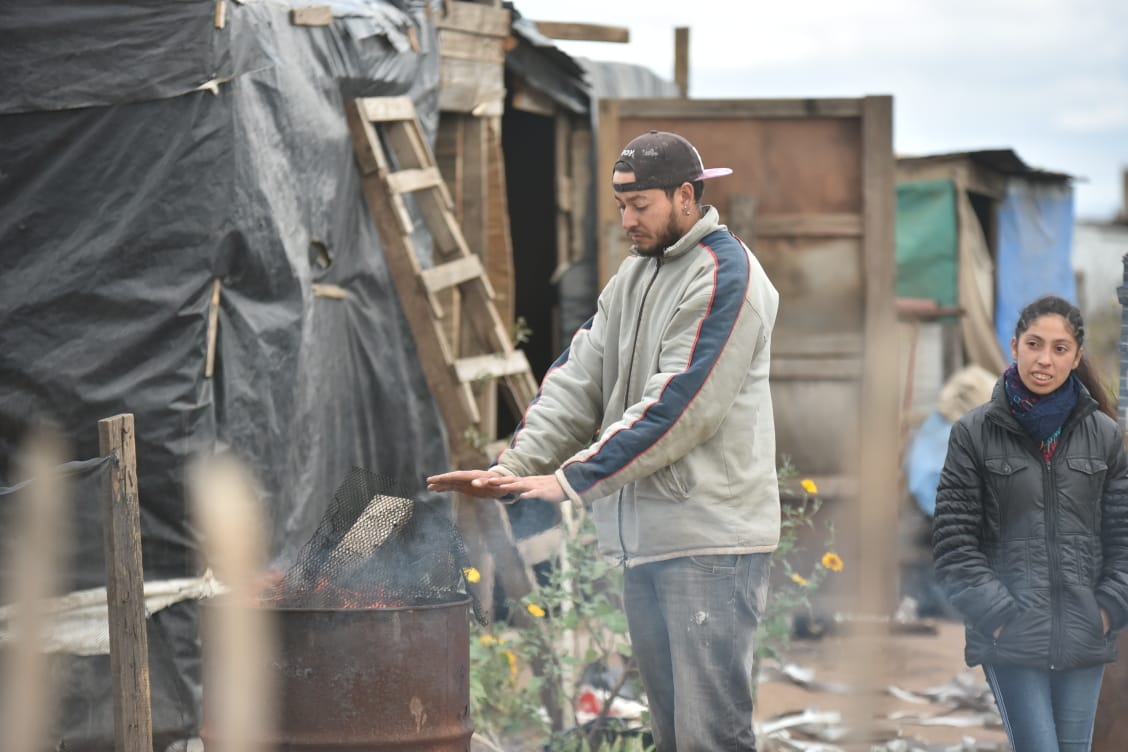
1042,415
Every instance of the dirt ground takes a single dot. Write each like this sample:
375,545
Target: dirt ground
914,662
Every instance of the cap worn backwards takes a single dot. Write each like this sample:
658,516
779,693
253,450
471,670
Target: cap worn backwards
660,159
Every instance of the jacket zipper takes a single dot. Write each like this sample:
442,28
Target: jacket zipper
627,401
1055,565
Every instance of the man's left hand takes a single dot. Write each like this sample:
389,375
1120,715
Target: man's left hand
544,487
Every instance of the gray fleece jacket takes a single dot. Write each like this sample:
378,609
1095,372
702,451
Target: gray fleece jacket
658,414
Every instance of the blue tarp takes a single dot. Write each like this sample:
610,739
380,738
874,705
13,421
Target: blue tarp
1034,250
925,458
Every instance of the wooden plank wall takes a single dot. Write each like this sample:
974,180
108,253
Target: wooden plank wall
472,41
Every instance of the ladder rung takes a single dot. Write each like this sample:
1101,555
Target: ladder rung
492,366
409,181
452,273
387,109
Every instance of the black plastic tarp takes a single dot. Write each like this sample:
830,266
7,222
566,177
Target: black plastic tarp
126,189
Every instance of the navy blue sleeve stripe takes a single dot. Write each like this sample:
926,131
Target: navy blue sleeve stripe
731,278
560,361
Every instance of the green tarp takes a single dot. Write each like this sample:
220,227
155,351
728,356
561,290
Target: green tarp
926,241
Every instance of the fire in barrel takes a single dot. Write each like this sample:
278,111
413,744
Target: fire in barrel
373,629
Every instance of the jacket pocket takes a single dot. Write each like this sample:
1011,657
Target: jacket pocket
670,482
1007,478
1090,472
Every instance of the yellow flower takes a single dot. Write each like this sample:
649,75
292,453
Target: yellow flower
489,639
799,580
831,561
472,574
512,659
536,610
809,486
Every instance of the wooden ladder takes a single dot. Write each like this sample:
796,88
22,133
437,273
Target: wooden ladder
464,347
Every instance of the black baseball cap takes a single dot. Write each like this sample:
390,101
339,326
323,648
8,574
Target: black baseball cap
660,159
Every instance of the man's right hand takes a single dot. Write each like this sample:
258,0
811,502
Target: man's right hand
468,483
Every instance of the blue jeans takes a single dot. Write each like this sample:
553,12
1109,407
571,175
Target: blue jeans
1046,711
692,624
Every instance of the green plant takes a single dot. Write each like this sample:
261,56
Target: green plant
576,618
573,619
522,332
793,584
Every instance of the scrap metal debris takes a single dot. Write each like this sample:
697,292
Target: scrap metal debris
821,731
801,676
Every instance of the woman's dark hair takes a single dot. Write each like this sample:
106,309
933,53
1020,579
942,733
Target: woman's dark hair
1048,304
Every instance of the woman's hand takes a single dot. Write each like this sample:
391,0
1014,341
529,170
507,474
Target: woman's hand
1106,622
998,630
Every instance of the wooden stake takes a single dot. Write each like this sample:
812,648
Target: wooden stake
125,589
213,329
681,60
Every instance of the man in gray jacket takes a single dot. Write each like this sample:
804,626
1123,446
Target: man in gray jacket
670,377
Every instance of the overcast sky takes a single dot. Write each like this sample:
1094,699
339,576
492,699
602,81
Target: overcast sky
1047,78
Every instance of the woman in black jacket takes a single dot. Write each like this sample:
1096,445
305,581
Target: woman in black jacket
1030,536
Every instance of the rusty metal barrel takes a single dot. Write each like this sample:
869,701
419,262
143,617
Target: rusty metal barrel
367,679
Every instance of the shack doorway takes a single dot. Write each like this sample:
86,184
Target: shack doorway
528,141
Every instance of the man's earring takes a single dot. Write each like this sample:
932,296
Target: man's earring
685,209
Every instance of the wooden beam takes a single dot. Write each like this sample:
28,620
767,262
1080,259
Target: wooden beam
479,19
414,179
464,45
609,233
528,99
584,32
125,588
845,225
213,329
711,109
334,292
492,366
681,60
452,273
313,15
384,109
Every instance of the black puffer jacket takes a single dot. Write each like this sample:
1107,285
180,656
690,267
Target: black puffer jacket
1034,546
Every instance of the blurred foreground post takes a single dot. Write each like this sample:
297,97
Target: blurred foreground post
125,588
877,501
36,556
238,638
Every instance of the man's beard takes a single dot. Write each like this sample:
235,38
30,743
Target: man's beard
670,235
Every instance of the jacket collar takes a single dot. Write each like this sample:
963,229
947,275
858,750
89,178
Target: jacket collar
709,222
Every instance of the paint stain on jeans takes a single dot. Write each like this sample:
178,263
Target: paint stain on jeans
701,617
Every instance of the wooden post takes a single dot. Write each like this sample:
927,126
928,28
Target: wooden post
125,589
681,60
